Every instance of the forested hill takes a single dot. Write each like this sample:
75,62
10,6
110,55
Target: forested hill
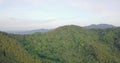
11,51
66,44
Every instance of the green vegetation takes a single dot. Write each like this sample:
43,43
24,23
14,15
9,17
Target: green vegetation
66,44
12,52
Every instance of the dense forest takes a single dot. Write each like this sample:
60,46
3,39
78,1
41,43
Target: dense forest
66,44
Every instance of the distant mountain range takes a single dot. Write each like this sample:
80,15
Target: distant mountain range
93,26
100,26
29,32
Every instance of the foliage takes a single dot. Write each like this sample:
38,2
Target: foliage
67,44
12,52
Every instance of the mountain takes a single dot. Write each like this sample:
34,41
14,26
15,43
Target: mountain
71,44
99,26
74,44
93,26
28,32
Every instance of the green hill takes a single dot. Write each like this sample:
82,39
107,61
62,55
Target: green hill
12,52
72,44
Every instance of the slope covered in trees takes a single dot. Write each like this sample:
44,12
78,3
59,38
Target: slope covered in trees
12,52
73,44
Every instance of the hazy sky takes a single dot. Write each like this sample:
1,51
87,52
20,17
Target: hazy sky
35,14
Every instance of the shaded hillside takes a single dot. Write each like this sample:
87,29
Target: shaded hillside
12,52
74,44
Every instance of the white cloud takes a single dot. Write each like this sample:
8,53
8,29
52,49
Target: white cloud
101,7
52,13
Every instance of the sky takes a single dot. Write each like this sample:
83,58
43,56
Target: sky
37,14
